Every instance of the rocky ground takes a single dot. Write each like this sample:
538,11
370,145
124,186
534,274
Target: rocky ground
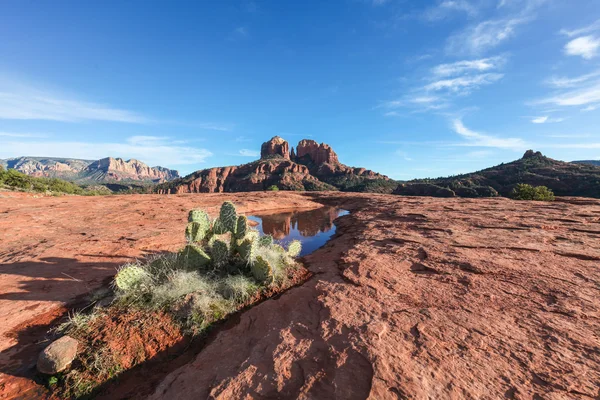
413,298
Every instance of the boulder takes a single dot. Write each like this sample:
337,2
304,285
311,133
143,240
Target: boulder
58,356
275,148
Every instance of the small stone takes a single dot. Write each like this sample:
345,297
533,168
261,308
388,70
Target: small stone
57,356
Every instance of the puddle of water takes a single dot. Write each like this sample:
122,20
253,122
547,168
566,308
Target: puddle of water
313,227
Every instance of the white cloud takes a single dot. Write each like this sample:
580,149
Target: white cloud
562,82
464,84
477,139
19,101
546,120
588,95
590,108
23,135
582,31
446,7
483,36
249,153
461,67
151,152
585,46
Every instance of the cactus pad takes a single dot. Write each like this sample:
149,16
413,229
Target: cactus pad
241,227
265,241
262,270
218,228
228,216
195,232
195,257
246,250
220,252
198,215
294,248
131,277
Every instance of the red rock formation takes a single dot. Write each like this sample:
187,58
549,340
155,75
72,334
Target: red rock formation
275,148
318,153
310,167
119,169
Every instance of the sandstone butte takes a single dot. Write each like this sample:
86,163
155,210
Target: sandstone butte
414,297
311,166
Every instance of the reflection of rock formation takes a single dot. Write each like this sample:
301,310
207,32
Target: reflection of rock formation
308,223
314,221
277,225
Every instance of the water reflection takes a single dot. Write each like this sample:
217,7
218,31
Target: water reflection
312,227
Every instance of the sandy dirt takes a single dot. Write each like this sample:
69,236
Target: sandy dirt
412,298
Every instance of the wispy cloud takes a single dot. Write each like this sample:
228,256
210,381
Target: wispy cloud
595,26
585,46
546,120
484,36
465,66
249,153
488,34
477,139
23,135
464,84
149,149
588,95
564,82
446,8
21,102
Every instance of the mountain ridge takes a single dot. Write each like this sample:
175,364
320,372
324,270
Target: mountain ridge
104,170
563,178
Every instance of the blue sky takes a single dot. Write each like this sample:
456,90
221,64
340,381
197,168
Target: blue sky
407,88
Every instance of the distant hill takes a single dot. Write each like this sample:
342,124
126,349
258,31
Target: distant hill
311,166
590,162
564,178
106,170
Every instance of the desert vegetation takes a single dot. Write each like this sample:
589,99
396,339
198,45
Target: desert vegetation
12,179
225,266
524,191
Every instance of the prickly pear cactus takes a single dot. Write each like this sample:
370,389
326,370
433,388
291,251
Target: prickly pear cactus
265,241
195,257
246,250
241,227
252,234
218,228
194,232
294,248
131,277
262,270
228,216
198,215
220,253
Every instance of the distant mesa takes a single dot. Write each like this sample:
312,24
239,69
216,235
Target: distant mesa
311,166
106,170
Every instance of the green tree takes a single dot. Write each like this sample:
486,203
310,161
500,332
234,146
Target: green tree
524,191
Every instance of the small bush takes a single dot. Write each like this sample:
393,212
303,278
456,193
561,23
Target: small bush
524,191
273,188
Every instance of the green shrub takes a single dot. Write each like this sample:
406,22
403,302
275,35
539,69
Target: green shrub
273,188
524,191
